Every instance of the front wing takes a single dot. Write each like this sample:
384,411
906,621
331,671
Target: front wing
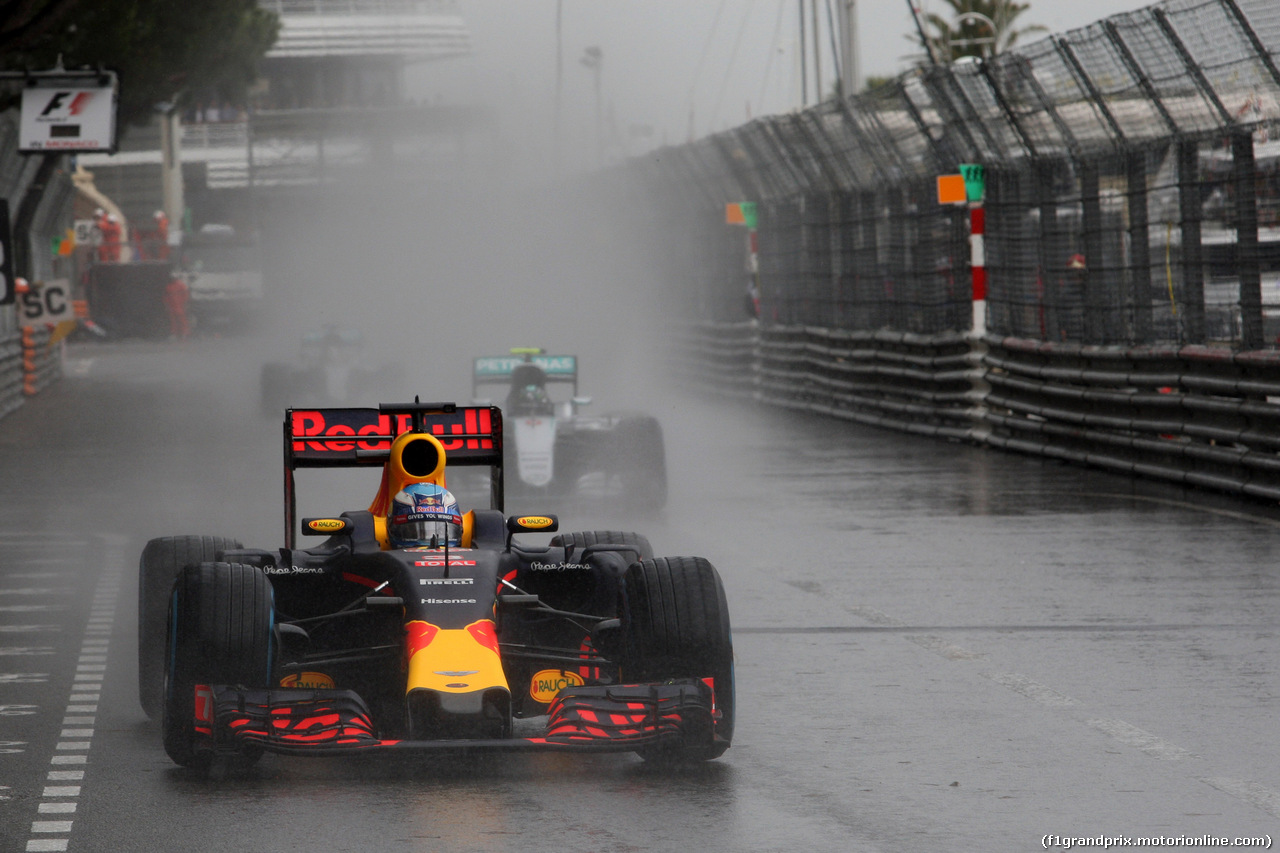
614,718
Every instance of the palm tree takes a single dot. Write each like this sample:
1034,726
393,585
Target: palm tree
976,28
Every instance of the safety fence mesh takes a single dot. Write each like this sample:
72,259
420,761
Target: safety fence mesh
1132,192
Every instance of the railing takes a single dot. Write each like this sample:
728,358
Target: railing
359,7
230,134
1199,416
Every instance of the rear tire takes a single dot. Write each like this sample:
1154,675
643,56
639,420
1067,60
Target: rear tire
161,561
675,624
220,630
606,537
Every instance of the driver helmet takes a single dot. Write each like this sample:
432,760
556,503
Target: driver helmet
424,515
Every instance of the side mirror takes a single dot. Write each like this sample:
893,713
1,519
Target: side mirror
531,524
325,526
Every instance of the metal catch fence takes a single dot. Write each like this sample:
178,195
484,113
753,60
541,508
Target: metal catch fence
1132,191
1130,243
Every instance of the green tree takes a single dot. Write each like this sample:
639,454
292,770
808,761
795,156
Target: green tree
876,81
967,30
173,51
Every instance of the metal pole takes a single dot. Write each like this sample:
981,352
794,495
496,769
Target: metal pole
817,54
851,58
1192,307
559,82
835,34
599,118
1143,80
924,40
1094,307
978,265
1245,174
804,61
171,165
1139,244
1050,254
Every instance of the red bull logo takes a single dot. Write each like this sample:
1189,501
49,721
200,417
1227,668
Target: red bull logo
341,430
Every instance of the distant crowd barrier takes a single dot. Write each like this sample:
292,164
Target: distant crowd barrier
1200,416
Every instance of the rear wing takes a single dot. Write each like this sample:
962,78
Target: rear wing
497,369
346,438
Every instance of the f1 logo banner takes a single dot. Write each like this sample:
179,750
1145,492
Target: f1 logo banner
69,111
6,255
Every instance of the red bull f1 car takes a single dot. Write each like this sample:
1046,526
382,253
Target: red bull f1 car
333,369
357,646
560,452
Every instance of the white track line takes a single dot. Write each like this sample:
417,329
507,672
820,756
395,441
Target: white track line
51,831
1131,735
1033,690
1251,792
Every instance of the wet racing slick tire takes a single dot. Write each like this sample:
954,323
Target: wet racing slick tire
220,627
638,445
675,624
161,561
643,550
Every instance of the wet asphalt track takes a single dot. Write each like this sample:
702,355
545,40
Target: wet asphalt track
938,647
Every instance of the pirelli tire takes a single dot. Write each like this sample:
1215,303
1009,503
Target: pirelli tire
221,620
639,447
584,539
675,625
159,565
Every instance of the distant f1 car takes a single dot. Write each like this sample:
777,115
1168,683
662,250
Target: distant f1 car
560,452
359,645
333,369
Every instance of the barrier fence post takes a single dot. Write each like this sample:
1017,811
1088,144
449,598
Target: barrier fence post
1248,265
1091,291
1192,307
978,265
1139,244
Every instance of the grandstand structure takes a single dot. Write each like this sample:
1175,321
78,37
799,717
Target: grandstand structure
331,100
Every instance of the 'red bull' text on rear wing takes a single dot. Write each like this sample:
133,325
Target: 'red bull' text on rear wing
344,438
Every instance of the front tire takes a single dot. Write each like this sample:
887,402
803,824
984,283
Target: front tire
161,561
640,449
675,624
220,629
